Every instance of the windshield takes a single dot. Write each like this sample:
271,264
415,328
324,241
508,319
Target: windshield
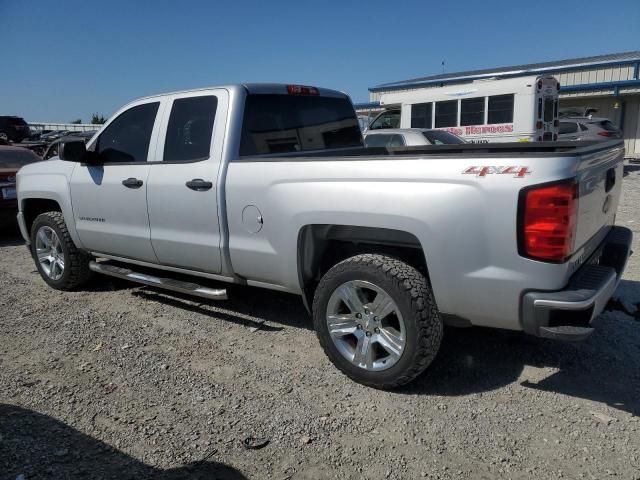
438,137
14,157
296,123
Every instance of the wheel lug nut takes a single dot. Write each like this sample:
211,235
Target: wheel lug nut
358,315
368,334
359,327
377,330
375,319
366,312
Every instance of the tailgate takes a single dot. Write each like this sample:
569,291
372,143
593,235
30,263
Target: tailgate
599,175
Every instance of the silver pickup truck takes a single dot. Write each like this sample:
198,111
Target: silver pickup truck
270,186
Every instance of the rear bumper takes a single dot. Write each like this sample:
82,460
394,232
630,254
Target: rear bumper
567,314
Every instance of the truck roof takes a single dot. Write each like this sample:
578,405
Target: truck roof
255,88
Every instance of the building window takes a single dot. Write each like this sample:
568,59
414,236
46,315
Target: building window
447,114
472,111
421,115
501,109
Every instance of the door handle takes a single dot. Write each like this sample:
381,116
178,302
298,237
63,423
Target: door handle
199,185
132,183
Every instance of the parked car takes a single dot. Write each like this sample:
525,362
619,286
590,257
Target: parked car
13,129
280,193
588,128
409,137
11,160
53,135
52,149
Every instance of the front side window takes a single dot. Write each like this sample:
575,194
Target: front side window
421,115
126,139
472,111
447,113
388,119
189,130
500,109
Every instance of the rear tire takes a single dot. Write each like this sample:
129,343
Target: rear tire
377,320
60,263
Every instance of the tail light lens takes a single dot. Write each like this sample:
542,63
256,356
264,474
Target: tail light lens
605,134
548,221
302,90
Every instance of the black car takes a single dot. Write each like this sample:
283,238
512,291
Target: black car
14,129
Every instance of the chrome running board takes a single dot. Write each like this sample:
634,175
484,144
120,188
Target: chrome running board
179,286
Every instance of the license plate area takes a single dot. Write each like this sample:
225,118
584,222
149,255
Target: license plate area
9,193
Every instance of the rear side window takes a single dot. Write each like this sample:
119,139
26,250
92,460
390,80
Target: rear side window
127,138
189,129
472,111
421,115
447,113
568,127
296,123
500,109
383,140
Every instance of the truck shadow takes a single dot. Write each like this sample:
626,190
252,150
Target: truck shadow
38,446
10,235
605,368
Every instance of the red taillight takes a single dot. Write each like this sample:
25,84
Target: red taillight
548,222
605,134
302,90
538,125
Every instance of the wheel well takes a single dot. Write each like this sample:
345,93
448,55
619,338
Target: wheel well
33,207
320,247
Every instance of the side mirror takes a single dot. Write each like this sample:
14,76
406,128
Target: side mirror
76,151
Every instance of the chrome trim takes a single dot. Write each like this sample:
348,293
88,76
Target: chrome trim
159,282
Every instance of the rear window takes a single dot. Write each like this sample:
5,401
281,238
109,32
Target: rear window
548,110
437,137
15,121
15,157
608,126
295,123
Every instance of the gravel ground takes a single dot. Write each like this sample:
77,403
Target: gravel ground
120,381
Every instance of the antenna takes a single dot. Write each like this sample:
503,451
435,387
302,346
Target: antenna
442,66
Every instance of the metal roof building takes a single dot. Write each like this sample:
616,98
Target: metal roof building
610,83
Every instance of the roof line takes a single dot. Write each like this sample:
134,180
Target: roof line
517,70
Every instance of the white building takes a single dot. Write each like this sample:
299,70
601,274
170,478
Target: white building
609,83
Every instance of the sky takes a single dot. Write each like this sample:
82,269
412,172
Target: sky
64,60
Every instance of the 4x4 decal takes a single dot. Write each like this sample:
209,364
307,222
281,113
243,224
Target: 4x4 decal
483,171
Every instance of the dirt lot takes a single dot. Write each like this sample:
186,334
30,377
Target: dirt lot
119,381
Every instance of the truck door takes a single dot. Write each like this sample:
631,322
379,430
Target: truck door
110,201
182,192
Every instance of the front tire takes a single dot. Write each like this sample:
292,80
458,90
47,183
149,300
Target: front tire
377,320
60,263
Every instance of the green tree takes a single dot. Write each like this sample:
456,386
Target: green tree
77,121
97,119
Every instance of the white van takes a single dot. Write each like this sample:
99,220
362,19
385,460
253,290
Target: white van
521,109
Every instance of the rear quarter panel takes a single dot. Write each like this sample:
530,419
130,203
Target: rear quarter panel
465,223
